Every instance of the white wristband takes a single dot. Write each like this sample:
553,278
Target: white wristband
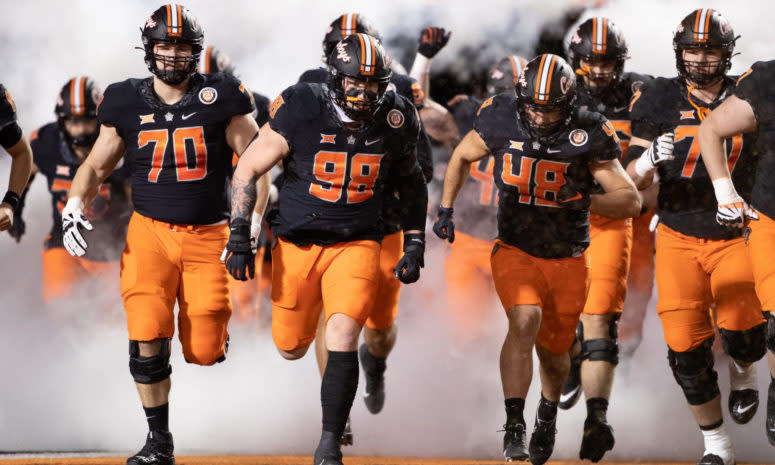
255,224
725,191
421,65
643,165
73,204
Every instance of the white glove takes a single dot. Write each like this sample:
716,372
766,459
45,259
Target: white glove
732,209
72,217
660,151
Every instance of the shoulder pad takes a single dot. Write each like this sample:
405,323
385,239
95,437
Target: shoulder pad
317,75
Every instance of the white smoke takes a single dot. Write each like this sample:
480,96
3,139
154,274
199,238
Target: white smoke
66,383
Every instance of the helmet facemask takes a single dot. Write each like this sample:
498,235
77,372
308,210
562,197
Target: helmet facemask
597,83
86,138
702,73
359,102
175,68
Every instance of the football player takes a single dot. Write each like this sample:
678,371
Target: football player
58,150
13,141
597,53
381,331
342,146
750,110
697,260
179,128
545,164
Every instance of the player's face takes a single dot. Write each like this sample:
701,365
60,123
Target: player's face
599,73
702,60
360,95
544,122
173,57
77,126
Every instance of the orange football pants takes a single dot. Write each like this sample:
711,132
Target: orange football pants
469,282
761,248
62,272
342,278
558,286
692,272
164,262
385,308
609,261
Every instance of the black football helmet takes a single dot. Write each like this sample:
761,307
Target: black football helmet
704,28
362,58
214,60
546,84
503,76
343,26
172,24
78,99
598,40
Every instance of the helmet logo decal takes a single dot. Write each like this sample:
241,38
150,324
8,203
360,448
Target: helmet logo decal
599,35
150,23
368,55
578,137
395,118
724,26
174,21
576,39
702,24
564,84
208,95
496,74
341,53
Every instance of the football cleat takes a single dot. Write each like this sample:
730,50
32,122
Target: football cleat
542,441
514,442
743,404
374,369
347,436
711,459
598,439
328,451
770,423
157,450
571,390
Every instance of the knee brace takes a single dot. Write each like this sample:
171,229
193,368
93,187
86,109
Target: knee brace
745,346
771,331
693,371
601,350
150,370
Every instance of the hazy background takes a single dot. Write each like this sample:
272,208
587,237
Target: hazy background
65,382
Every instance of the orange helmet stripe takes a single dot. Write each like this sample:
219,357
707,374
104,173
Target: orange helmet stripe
368,52
78,95
174,21
702,25
599,35
544,78
517,65
206,63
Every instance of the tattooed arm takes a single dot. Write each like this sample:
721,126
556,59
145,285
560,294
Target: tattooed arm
254,165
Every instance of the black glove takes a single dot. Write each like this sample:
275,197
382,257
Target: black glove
432,40
572,197
444,227
239,254
408,268
18,227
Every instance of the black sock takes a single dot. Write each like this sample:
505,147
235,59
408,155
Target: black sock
597,407
158,417
515,407
373,364
337,391
547,410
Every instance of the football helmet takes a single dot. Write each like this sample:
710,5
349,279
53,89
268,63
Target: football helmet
214,60
78,99
172,24
598,40
359,57
547,84
343,26
704,28
503,76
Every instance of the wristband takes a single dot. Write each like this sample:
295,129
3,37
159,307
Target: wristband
12,199
643,165
725,191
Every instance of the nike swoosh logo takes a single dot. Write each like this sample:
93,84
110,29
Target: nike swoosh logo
576,197
188,115
370,142
618,109
741,411
567,397
553,151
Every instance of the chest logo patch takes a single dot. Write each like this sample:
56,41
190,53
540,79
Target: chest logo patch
327,138
578,137
395,118
516,145
63,170
208,95
687,114
145,119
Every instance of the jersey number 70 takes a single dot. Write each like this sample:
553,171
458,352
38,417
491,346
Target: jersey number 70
160,138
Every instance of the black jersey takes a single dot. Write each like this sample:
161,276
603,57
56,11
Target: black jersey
7,108
334,177
108,212
686,201
757,87
180,158
261,113
529,175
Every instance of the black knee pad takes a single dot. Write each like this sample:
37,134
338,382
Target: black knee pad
770,331
693,371
600,350
150,370
745,346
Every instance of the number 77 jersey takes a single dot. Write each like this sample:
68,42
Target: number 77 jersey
686,202
178,153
